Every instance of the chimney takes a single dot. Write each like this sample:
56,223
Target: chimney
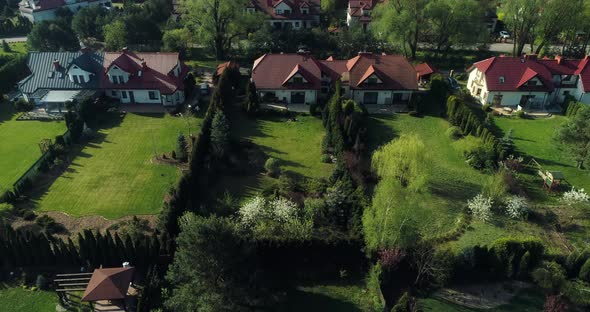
558,59
143,64
125,50
56,64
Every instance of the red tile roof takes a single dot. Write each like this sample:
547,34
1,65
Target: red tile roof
517,71
271,71
425,69
511,73
356,7
268,7
157,73
108,284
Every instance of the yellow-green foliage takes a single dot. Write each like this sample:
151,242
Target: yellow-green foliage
404,161
391,219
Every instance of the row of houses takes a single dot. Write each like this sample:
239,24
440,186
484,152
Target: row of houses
525,82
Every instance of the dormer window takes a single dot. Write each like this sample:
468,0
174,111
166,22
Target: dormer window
502,80
567,78
531,83
287,12
304,11
297,80
372,80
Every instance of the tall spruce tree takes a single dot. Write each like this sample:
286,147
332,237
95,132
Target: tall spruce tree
181,147
219,135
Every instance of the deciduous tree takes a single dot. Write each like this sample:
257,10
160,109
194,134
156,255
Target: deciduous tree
574,135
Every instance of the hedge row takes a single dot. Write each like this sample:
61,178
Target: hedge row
25,249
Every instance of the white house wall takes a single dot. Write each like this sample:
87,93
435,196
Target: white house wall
115,71
383,96
79,72
310,95
139,96
49,15
513,98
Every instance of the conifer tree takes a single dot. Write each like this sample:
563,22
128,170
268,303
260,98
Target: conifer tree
181,147
219,135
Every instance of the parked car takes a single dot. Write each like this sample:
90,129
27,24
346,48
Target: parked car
204,89
504,34
453,83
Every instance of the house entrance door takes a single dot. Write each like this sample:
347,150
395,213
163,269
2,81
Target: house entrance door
131,97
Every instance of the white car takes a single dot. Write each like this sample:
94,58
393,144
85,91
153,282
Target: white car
504,34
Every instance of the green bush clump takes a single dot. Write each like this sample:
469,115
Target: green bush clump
272,167
326,158
521,114
454,133
486,107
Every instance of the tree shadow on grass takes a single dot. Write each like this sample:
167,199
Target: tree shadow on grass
299,300
45,181
379,132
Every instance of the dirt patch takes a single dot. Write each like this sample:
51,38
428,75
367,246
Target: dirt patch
75,225
482,296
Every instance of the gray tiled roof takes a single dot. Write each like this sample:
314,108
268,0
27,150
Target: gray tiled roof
41,64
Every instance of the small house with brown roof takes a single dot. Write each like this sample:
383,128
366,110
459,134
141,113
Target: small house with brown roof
293,14
302,79
108,288
359,12
529,82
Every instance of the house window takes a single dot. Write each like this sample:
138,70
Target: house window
152,95
297,80
177,96
502,80
296,24
526,99
478,92
567,78
124,94
497,100
115,79
75,78
81,77
531,83
397,97
372,80
297,97
114,93
370,97
121,80
566,93
287,12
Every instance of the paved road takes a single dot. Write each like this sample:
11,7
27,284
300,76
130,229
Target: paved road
14,39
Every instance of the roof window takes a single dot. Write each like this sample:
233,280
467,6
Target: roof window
502,79
50,74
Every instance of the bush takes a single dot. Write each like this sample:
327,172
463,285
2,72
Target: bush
23,105
41,282
29,215
480,207
454,133
520,114
173,154
585,271
486,107
517,207
574,196
272,167
326,158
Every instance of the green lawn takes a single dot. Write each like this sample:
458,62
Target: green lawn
20,141
451,180
329,297
296,144
16,299
114,175
534,138
528,300
16,48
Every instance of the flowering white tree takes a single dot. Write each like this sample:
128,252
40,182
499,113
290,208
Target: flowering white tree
278,218
574,196
516,207
481,207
